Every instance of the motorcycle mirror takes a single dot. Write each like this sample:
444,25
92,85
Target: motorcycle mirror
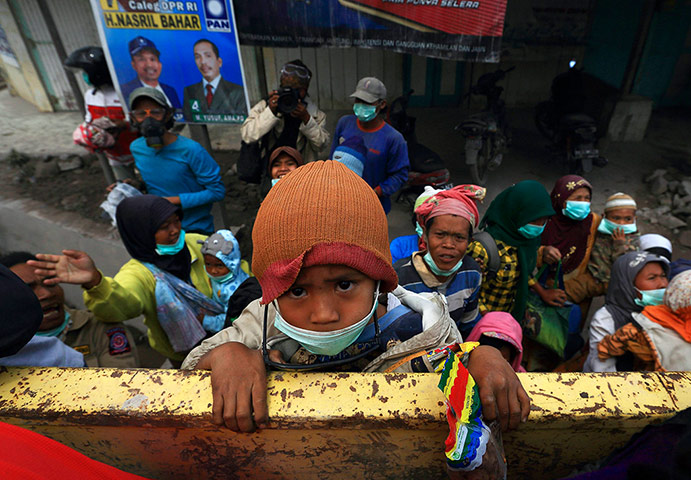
572,63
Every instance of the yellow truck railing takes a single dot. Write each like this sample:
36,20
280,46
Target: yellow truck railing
156,423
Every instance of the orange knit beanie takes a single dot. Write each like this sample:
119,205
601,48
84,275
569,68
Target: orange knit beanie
320,214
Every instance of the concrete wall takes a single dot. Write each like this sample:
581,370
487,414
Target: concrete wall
24,80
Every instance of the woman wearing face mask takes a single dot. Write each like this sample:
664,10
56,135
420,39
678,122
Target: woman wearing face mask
448,220
161,254
638,280
659,337
515,219
569,236
386,164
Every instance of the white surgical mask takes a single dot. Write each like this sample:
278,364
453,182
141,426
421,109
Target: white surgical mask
325,343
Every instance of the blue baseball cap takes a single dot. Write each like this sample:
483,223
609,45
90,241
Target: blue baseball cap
137,44
352,153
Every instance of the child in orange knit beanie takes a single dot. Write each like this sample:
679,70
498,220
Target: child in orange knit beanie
321,256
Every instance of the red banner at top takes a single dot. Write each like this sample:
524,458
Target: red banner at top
461,17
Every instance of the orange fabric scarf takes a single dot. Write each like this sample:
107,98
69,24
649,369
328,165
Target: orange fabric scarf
679,321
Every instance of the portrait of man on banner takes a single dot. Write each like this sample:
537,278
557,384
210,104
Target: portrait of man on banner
213,94
146,62
188,51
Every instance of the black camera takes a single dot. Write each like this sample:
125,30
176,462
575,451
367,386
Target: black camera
288,100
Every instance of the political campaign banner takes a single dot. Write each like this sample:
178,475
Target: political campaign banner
187,50
448,29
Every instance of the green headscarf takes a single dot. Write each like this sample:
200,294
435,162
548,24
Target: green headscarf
514,207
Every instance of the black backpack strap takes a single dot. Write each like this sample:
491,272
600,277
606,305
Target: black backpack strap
490,246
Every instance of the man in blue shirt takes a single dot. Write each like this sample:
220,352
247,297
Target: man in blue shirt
172,166
386,165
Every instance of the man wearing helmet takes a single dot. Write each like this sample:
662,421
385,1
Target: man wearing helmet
105,128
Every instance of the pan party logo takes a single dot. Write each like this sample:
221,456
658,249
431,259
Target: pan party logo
217,16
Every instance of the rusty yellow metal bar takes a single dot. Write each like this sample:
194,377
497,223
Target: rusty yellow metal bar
156,423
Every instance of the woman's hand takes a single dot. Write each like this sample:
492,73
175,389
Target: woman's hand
551,255
501,392
238,383
73,266
554,297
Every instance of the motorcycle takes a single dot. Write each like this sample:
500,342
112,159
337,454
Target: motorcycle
487,132
426,166
562,120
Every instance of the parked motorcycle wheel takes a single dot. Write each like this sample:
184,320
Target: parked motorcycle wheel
479,170
544,121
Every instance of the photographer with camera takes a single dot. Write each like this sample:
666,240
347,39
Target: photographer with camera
288,116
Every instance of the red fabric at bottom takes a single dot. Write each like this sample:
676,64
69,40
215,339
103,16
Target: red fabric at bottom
26,455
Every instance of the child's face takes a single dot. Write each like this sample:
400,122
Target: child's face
448,239
327,297
169,231
214,266
283,165
623,216
651,277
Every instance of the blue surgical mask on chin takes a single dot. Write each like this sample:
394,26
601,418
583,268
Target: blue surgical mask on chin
364,112
650,297
576,210
531,231
418,229
325,343
221,278
57,330
438,271
274,181
608,227
172,249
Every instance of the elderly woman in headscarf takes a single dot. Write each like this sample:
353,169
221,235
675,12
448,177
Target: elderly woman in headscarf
165,281
569,236
638,280
659,337
447,220
515,220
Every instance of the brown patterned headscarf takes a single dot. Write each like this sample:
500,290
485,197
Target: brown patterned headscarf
568,235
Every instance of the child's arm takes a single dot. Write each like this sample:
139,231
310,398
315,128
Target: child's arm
238,384
599,265
501,393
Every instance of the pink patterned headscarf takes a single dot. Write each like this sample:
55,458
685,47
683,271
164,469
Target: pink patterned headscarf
503,326
459,201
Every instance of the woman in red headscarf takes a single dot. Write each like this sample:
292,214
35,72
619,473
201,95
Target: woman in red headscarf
569,236
447,219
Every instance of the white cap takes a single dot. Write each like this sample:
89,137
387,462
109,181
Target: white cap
653,241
